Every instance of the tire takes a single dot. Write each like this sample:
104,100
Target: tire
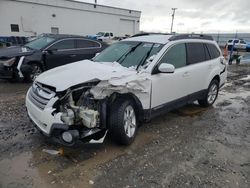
211,94
123,122
36,70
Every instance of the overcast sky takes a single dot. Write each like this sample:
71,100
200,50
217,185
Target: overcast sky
191,16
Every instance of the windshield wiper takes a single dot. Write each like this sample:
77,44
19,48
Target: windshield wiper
145,57
126,54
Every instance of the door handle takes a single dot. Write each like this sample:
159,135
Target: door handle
185,74
73,55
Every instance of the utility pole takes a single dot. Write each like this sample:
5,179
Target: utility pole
173,9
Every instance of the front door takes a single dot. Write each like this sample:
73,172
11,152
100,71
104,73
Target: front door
60,53
168,87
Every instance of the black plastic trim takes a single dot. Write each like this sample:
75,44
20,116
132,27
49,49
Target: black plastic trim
191,36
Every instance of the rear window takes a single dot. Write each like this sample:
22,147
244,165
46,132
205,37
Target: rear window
81,43
195,53
236,41
213,51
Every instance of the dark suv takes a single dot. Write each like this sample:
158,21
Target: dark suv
45,52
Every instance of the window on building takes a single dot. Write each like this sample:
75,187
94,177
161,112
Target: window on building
55,30
14,27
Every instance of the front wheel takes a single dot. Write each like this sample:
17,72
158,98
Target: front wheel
211,94
123,122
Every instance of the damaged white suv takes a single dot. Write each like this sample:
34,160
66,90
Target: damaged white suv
130,82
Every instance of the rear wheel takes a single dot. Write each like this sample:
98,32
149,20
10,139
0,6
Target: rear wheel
36,70
211,94
123,122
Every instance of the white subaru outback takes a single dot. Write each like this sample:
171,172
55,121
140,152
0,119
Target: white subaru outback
130,82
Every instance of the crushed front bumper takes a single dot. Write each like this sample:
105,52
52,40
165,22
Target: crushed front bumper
51,125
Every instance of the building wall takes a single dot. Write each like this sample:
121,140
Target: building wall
39,16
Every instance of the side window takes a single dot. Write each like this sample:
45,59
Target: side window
111,34
81,43
207,55
106,35
176,56
63,45
236,41
196,53
213,51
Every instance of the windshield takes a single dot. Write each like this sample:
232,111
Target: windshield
40,43
128,53
100,34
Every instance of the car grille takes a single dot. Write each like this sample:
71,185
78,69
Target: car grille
40,96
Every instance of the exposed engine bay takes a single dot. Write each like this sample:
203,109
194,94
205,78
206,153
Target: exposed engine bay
78,107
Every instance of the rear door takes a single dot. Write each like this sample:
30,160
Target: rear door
199,66
87,49
60,53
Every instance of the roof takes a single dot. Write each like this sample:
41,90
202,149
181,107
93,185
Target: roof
60,36
165,38
161,39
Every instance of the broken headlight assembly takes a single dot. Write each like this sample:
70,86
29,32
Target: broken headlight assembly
8,62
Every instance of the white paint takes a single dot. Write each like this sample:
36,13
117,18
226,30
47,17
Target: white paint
81,72
71,17
20,62
43,118
152,90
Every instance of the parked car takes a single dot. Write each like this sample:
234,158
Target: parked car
239,44
248,47
129,82
102,36
4,44
44,53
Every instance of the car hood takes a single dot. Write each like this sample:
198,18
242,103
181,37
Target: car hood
15,51
66,76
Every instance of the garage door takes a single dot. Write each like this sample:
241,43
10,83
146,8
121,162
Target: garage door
127,27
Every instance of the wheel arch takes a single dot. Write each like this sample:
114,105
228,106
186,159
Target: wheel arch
212,76
132,97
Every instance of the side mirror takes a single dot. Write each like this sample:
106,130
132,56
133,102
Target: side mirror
166,68
49,52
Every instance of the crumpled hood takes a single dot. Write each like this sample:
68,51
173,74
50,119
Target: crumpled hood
66,76
15,51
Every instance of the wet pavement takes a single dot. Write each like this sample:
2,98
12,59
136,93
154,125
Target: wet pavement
189,147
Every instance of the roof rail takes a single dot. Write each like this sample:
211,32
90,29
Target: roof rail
190,36
146,33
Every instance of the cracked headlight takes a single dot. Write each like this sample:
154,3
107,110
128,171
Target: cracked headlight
8,62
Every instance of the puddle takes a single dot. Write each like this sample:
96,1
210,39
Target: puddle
75,168
190,110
